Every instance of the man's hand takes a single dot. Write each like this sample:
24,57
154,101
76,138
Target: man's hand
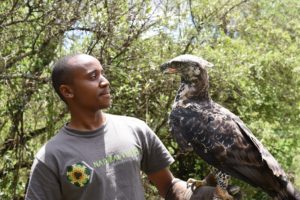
180,190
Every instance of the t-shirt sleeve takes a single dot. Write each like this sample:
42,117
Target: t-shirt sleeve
43,183
155,154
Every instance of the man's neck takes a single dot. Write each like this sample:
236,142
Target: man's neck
87,121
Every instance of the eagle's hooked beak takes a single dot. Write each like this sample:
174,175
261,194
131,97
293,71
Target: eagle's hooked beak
170,70
167,69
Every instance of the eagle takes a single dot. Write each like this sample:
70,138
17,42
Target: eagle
218,136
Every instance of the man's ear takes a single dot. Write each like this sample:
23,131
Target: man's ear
66,91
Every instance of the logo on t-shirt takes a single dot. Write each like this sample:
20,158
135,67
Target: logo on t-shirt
117,157
79,174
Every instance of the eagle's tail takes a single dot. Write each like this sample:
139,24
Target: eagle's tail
288,193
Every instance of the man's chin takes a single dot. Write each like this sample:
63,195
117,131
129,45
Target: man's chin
105,105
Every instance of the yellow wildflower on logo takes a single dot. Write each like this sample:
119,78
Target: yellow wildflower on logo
79,174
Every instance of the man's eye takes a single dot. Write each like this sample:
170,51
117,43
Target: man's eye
94,75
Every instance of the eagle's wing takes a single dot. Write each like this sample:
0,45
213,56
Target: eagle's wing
222,140
265,154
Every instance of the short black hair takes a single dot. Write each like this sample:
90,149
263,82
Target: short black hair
62,74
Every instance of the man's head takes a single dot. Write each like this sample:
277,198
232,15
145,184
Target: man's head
78,80
62,74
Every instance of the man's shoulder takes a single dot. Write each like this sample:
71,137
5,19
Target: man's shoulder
135,125
50,147
126,119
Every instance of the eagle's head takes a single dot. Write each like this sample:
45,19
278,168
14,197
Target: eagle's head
189,67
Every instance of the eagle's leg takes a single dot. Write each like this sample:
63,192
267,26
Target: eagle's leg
221,188
196,183
209,180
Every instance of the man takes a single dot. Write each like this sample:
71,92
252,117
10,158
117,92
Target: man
97,155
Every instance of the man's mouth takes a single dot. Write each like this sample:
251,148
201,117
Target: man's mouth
104,93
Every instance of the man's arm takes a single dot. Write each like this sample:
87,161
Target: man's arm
162,180
175,189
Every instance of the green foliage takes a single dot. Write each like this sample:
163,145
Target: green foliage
253,45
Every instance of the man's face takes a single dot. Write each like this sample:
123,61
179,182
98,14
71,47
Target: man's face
90,87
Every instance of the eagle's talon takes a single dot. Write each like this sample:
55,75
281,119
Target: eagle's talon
193,183
233,190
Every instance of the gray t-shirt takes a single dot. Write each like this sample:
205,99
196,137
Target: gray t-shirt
100,164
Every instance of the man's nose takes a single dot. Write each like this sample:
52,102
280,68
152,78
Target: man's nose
103,82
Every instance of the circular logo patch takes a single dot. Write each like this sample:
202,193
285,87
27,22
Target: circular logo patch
79,174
